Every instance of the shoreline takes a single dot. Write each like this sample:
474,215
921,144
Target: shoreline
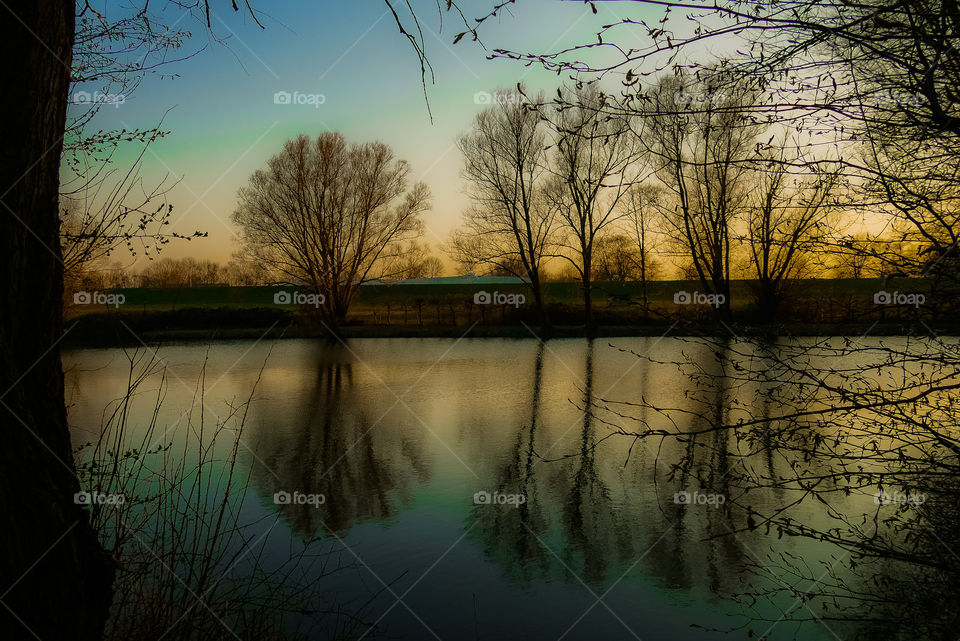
95,331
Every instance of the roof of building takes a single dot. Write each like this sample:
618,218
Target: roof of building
466,279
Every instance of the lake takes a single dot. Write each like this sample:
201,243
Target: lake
461,490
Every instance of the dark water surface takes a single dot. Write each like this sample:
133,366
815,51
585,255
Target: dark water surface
400,436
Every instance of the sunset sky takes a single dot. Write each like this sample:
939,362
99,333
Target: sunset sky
219,104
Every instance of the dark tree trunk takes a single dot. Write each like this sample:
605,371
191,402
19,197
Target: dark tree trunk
588,306
546,329
587,281
55,580
768,302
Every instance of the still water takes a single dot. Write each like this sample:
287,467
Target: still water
463,488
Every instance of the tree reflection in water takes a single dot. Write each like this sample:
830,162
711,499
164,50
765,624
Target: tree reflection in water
333,448
797,437
867,433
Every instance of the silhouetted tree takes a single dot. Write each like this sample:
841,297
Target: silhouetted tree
510,227
330,214
50,549
593,166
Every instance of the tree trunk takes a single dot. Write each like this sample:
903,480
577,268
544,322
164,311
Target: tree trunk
768,302
587,282
56,580
545,327
588,306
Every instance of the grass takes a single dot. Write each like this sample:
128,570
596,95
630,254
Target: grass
190,566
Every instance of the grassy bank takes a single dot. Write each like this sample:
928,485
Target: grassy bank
810,307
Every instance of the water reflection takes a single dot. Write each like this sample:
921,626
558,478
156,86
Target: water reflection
512,537
399,435
335,445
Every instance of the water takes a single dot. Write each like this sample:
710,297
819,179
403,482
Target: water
403,436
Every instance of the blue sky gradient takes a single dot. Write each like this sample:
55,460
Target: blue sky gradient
219,104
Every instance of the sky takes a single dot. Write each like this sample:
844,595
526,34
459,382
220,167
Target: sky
362,79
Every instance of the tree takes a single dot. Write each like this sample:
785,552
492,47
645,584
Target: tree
784,220
510,226
876,78
858,256
703,153
617,259
52,550
640,205
329,215
71,571
246,273
105,205
593,167
182,272
415,261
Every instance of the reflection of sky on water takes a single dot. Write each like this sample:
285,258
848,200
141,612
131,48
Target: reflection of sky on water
398,435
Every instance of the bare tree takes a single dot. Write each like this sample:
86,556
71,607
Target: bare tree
641,212
104,203
857,256
702,150
593,167
328,214
241,272
510,227
786,217
182,272
415,261
74,574
37,459
617,259
848,417
878,78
